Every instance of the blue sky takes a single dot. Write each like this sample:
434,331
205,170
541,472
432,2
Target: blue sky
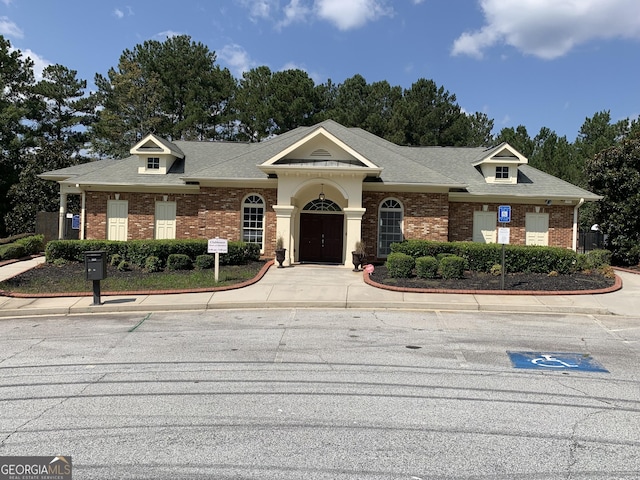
537,63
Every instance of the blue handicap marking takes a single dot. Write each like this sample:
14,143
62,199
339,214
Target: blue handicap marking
556,361
504,213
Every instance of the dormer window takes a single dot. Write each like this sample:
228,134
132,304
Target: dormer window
153,163
502,173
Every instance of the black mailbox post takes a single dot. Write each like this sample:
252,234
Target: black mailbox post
95,268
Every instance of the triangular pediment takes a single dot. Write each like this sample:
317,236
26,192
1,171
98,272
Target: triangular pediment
156,145
317,150
503,154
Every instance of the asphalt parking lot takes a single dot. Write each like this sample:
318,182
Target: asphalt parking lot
323,394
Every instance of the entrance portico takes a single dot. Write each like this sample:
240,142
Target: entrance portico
315,230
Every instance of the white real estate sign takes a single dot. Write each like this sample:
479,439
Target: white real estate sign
217,246
503,235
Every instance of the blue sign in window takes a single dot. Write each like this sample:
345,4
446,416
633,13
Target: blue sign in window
556,361
504,213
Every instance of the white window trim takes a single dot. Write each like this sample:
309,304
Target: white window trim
379,221
264,216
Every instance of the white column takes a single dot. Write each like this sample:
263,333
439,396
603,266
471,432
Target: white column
353,218
574,242
62,215
82,213
284,229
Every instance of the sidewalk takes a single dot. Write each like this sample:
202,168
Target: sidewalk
313,286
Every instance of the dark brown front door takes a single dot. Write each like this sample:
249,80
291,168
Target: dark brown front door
321,237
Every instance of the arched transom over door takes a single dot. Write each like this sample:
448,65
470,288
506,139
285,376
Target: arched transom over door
321,232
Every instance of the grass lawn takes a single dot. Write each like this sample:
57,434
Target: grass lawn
69,278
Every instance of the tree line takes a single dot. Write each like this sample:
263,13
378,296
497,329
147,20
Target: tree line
176,90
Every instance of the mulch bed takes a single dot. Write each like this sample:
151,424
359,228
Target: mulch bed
513,281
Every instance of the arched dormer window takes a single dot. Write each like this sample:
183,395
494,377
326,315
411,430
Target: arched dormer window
390,220
253,209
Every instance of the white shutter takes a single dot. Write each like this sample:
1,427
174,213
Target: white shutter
484,227
537,229
165,225
117,212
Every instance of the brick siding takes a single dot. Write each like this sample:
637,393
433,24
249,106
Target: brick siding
217,212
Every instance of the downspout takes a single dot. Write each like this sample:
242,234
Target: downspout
575,225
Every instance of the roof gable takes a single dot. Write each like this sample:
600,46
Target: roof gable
320,147
503,154
152,144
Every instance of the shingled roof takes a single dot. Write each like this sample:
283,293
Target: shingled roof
450,167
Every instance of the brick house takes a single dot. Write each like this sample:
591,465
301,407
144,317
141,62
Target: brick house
321,189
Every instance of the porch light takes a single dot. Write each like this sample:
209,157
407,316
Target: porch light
321,197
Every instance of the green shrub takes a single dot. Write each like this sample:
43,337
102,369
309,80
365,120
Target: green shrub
12,251
116,258
137,251
598,258
496,270
153,264
451,266
480,257
179,261
427,267
33,244
123,266
400,265
205,261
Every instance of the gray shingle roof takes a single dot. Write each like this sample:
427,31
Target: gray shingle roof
451,167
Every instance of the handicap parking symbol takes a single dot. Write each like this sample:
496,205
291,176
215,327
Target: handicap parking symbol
555,361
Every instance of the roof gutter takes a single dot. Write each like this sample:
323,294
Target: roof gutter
574,244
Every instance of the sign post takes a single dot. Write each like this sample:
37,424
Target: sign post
217,246
504,216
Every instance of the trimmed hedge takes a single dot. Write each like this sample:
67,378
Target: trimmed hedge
137,251
481,257
427,267
400,265
11,251
204,262
21,247
451,266
179,261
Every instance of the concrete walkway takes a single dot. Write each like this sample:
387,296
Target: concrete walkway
307,286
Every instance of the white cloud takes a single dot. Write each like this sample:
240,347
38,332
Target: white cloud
260,9
39,63
168,34
10,29
295,11
236,58
350,14
549,28
343,14
118,12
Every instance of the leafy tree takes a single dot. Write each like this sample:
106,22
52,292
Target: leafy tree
556,156
172,88
252,105
428,115
16,78
614,173
58,137
480,128
130,100
518,138
294,100
356,103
